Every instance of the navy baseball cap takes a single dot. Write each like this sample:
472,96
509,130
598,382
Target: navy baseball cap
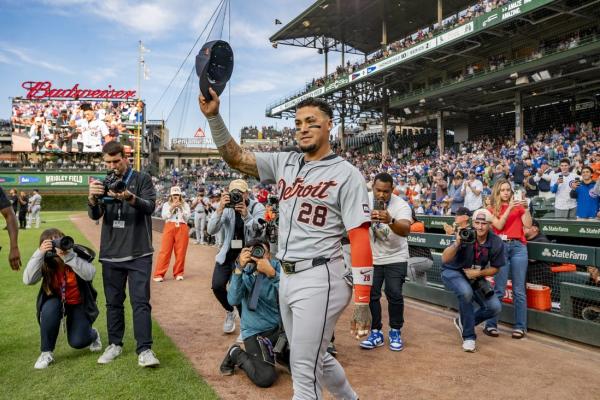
214,66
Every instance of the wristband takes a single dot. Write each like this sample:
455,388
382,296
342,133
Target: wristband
362,276
362,294
218,130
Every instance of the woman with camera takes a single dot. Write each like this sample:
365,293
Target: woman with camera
511,215
66,292
175,236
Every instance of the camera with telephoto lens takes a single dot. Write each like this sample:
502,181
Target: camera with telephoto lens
467,235
235,197
113,183
64,243
483,287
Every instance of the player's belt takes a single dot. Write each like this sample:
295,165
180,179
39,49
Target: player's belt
295,267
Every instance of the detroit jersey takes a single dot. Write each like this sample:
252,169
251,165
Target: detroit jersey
318,202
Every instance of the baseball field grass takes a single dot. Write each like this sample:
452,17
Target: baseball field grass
75,373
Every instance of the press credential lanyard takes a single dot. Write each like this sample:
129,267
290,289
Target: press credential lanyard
120,224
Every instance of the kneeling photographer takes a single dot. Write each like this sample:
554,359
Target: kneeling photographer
254,285
475,254
66,292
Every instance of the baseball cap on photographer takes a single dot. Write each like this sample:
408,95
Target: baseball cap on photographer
175,190
238,184
463,211
483,215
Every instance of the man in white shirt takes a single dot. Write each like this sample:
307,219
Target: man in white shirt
472,192
92,130
564,205
38,134
391,219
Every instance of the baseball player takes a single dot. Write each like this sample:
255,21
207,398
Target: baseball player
321,196
200,206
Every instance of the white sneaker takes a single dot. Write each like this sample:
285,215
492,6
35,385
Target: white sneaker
229,324
45,359
239,339
179,278
196,242
96,344
158,279
147,358
469,345
112,351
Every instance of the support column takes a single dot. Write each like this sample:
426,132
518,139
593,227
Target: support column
441,132
440,14
342,133
343,55
384,40
384,145
325,50
518,117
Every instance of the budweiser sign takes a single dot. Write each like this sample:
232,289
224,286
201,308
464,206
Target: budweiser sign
44,90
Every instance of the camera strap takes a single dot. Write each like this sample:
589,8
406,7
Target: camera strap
253,303
63,300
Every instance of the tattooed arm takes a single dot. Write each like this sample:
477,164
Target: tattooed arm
233,154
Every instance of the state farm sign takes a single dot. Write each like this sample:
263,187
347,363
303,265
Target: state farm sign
44,90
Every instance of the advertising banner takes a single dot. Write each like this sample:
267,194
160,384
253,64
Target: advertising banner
39,180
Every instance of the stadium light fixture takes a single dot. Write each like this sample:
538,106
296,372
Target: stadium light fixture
545,74
514,75
407,110
523,80
536,77
306,23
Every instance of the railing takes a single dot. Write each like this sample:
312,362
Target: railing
514,63
563,298
554,227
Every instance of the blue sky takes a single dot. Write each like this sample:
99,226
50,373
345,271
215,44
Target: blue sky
94,43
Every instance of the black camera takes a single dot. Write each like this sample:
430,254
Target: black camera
64,243
257,251
113,183
235,197
467,235
273,201
483,287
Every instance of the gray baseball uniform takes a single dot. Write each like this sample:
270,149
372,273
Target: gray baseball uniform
318,202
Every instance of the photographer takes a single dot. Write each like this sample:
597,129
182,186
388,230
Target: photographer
260,319
175,238
237,216
125,250
66,292
391,219
466,263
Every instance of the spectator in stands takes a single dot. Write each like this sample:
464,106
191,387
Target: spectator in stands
510,216
260,320
455,192
66,292
420,259
529,183
175,237
239,223
391,219
440,186
543,177
564,206
582,190
459,270
471,192
461,221
595,164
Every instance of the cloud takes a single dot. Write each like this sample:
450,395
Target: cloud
102,74
24,56
251,86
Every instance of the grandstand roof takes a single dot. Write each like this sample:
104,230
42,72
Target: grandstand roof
357,23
